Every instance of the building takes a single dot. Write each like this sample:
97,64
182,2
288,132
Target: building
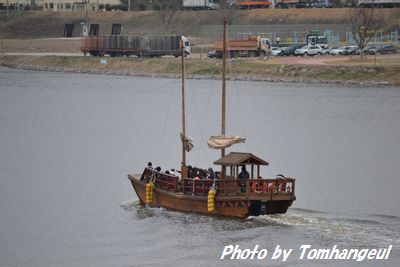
59,5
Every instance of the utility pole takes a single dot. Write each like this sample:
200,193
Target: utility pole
223,111
87,16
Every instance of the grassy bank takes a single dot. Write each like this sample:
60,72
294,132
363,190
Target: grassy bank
242,69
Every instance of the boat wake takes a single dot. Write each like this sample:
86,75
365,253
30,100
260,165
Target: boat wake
360,230
357,230
130,204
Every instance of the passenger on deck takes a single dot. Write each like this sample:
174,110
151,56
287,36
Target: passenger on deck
211,174
189,171
146,174
244,174
194,172
203,174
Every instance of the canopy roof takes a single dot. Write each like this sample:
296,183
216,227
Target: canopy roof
238,159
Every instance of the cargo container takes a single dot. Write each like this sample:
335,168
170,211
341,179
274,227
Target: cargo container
252,47
131,45
249,4
200,4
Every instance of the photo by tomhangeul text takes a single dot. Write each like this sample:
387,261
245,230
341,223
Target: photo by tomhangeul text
306,252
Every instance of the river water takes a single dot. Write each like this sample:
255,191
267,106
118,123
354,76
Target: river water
67,142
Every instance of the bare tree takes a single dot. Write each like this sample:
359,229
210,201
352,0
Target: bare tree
364,23
228,8
167,10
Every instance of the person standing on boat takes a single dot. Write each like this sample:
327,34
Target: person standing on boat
146,174
211,174
190,172
244,174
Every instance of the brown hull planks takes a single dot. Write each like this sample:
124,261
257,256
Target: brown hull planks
240,207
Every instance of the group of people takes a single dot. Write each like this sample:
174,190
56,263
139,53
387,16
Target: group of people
157,169
200,174
192,172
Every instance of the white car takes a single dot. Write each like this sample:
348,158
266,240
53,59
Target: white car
276,51
309,50
326,50
337,50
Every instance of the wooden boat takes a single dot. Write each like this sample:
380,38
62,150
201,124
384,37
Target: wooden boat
231,193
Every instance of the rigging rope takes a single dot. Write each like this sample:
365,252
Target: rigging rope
164,125
236,96
201,120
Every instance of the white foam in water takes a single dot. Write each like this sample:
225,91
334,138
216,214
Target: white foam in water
357,231
130,204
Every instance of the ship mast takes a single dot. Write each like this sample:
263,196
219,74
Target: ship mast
223,113
183,163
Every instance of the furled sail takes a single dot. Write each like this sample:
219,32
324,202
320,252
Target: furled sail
222,141
187,142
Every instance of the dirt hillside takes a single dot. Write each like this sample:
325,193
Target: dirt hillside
36,24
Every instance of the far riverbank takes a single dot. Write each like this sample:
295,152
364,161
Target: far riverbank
374,71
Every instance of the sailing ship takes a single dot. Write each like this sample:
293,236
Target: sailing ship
230,193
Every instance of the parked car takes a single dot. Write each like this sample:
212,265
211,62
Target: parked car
370,50
351,50
309,50
336,50
276,51
322,4
386,49
212,54
326,50
290,50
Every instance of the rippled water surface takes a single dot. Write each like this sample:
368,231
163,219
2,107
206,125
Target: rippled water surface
67,142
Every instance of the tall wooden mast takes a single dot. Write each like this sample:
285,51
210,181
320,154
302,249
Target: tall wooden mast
223,117
183,163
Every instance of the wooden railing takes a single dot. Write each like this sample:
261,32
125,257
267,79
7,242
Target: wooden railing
224,187
161,180
246,187
197,187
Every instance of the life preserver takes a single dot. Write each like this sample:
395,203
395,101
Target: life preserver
256,187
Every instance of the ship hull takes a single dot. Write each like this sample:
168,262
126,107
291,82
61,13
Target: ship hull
227,206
